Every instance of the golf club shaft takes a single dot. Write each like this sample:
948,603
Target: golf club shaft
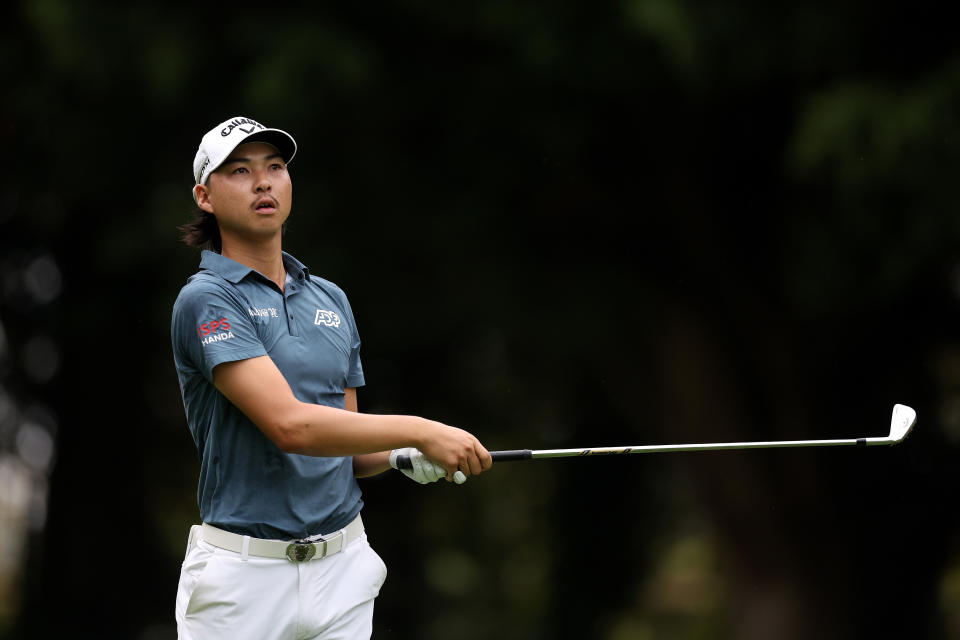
528,454
533,454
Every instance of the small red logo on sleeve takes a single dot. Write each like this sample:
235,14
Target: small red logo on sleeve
213,326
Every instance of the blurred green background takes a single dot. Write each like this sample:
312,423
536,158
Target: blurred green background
560,224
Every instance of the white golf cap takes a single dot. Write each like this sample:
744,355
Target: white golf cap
220,142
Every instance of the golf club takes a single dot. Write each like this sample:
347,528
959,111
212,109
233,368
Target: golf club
900,425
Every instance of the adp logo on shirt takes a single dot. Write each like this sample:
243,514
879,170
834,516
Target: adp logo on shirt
327,318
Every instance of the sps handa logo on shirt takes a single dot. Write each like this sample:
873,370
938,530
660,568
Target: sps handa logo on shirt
214,331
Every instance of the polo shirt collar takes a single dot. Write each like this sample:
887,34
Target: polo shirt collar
296,269
233,271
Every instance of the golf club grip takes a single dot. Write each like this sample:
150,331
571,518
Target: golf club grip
509,456
403,462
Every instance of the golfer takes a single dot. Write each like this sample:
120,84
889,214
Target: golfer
267,356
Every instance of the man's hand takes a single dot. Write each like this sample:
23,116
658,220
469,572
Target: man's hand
454,449
424,469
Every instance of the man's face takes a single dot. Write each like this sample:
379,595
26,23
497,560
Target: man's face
250,193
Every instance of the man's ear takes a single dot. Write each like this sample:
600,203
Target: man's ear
202,193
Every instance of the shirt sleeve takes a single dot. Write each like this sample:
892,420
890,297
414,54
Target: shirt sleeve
211,325
355,370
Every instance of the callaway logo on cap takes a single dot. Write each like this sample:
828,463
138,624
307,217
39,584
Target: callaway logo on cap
220,141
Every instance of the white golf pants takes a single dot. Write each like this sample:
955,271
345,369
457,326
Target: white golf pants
224,596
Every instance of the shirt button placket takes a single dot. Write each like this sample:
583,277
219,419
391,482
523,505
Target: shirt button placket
291,323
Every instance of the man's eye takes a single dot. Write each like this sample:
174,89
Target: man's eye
277,166
240,170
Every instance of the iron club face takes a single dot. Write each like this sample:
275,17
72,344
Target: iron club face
902,422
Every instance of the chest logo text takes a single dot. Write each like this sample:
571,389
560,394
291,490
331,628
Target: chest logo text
327,318
270,312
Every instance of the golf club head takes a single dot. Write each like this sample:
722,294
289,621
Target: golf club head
902,422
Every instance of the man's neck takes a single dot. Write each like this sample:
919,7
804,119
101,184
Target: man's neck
265,258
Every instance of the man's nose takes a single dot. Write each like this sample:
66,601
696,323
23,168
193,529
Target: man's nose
263,182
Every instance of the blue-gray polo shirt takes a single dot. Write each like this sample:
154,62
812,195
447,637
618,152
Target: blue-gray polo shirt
229,312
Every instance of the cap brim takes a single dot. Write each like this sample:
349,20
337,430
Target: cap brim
277,138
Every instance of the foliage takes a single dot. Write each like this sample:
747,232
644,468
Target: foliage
559,224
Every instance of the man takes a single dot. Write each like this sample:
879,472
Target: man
267,356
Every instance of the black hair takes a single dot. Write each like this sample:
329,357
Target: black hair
202,232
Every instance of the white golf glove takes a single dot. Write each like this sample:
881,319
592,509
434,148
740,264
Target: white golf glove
424,469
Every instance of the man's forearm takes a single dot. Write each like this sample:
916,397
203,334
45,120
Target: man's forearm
316,430
371,464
